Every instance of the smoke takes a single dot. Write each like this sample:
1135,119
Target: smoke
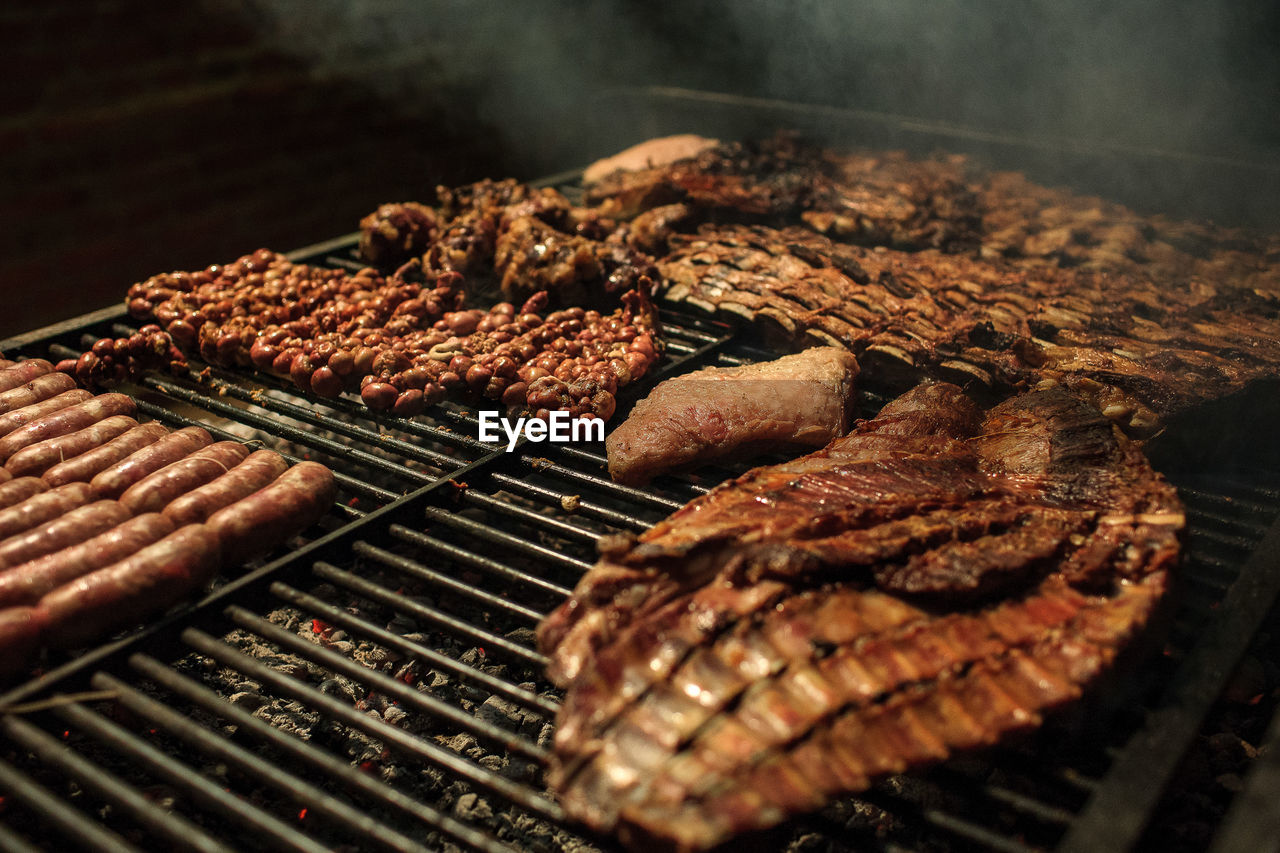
1176,75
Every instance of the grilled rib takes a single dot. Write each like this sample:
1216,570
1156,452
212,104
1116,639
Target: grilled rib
1140,351
928,584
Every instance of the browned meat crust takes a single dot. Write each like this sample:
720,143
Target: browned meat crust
881,199
734,413
928,584
1138,350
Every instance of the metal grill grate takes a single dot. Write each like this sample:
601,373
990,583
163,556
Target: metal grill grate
376,686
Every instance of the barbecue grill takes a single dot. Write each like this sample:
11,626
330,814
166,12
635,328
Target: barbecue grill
374,683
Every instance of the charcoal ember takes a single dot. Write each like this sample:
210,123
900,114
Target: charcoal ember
396,233
933,582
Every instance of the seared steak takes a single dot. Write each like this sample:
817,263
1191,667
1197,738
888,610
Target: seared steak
935,580
1138,350
735,412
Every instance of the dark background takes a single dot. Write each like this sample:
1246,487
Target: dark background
138,136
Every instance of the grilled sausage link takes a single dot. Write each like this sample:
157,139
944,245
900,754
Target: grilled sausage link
68,420
73,528
86,466
23,372
35,459
40,388
45,506
27,582
21,635
19,418
113,481
270,516
16,491
138,586
258,470
154,493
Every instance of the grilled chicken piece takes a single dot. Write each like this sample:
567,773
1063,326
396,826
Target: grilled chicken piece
932,582
650,154
735,413
1140,351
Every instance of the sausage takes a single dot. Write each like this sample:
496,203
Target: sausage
23,372
5,476
73,528
112,481
33,460
270,516
45,506
68,420
259,469
21,635
154,492
125,592
11,421
27,582
40,388
87,465
17,491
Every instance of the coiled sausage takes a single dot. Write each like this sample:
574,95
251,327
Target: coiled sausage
73,528
154,492
258,470
86,466
19,418
270,516
113,481
43,507
66,421
40,388
35,459
26,582
125,592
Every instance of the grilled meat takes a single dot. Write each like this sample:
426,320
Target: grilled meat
396,233
1138,350
882,199
735,412
650,154
886,198
935,580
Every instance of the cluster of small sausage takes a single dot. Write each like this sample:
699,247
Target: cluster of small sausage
115,359
402,345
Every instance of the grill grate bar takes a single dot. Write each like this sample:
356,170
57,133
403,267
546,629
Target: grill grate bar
418,611
409,567
629,493
514,543
182,777
463,556
338,616
325,806
531,517
494,783
11,842
315,417
350,484
53,753
325,764
382,683
588,508
59,813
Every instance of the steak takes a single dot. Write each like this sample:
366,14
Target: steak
1139,350
734,413
932,582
